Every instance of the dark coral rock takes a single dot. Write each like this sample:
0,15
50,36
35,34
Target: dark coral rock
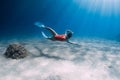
16,51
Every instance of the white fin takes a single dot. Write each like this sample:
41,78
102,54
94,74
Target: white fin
38,24
44,35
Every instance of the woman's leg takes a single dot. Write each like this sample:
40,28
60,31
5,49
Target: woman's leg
51,30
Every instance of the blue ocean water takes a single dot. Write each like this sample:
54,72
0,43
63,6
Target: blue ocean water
85,18
91,59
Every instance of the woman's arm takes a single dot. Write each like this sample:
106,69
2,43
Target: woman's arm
73,43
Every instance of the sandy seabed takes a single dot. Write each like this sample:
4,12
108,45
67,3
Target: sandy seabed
93,59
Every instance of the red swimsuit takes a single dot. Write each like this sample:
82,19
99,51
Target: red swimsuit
60,37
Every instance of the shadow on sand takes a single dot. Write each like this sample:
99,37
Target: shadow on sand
46,55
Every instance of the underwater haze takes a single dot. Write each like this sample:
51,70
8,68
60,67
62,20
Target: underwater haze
86,18
96,27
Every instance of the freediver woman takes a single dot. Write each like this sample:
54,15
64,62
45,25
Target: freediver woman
55,36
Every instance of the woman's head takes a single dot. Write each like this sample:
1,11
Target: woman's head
69,34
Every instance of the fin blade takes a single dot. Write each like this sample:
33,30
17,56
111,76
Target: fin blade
44,35
38,24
